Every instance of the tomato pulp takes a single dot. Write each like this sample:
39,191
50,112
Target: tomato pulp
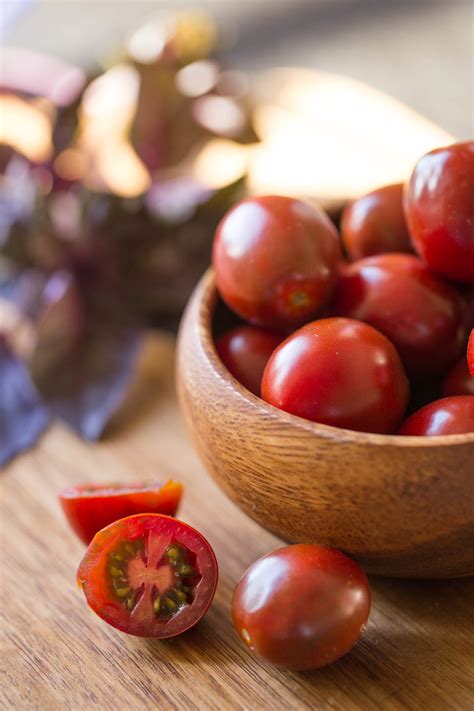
470,353
90,507
301,607
149,575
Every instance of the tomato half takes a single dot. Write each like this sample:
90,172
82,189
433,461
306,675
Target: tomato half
301,607
149,575
90,507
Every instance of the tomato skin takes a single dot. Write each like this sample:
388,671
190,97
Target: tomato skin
470,353
90,507
245,351
439,208
158,531
275,260
338,372
458,381
450,415
301,607
375,224
421,315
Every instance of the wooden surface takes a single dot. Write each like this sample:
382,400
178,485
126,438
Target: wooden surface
417,651
403,506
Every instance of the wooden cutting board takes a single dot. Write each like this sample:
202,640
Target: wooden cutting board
417,651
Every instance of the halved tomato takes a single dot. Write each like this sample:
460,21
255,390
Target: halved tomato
470,353
90,507
149,575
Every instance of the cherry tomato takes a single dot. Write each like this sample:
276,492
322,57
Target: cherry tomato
470,353
439,208
339,372
398,295
90,507
245,352
375,224
458,381
149,575
276,260
301,607
450,415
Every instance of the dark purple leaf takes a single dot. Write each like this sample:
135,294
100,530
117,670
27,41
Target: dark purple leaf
90,384
23,417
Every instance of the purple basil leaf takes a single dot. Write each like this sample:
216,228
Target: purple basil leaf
23,417
89,386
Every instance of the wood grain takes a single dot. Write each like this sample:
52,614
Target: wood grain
416,653
403,506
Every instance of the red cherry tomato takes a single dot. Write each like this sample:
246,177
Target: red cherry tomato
90,507
339,372
301,607
276,260
398,295
470,353
375,224
450,415
439,208
458,381
245,352
149,575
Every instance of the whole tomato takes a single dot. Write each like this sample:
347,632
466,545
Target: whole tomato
397,294
339,372
375,224
450,415
301,607
458,381
245,351
276,261
439,208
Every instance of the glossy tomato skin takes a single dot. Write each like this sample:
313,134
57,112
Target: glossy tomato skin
420,314
245,351
439,208
138,560
458,381
90,507
450,415
338,372
276,260
301,607
470,353
375,224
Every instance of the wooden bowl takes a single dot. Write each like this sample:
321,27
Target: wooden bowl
402,506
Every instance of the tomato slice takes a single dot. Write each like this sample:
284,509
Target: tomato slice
149,575
470,353
90,507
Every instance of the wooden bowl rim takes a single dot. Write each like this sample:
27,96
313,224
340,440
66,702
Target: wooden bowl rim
206,294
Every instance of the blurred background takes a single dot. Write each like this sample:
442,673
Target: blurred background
128,128
419,51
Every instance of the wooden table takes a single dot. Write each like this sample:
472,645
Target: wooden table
417,651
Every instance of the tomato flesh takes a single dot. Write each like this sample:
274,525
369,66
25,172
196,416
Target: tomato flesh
149,575
90,507
301,607
470,353
450,415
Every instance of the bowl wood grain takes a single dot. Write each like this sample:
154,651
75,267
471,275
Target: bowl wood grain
402,506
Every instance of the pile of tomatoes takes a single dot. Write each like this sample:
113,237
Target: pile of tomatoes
393,296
